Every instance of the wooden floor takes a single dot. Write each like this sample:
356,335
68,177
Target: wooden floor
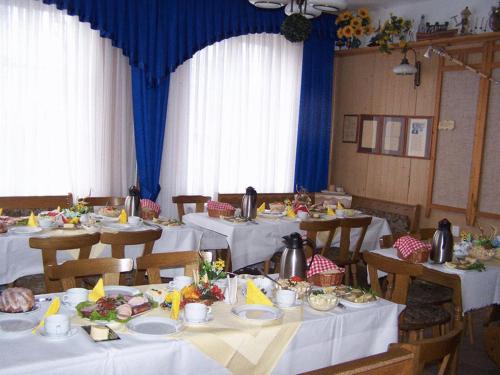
473,358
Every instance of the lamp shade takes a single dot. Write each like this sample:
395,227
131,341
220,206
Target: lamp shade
404,69
269,4
308,11
331,6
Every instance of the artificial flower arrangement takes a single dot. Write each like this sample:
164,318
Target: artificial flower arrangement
396,30
352,27
483,246
212,271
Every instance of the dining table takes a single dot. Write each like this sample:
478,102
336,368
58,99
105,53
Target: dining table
257,240
476,289
303,339
18,259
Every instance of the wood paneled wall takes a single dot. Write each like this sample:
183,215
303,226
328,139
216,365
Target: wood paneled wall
365,84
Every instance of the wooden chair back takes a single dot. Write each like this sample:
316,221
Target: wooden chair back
312,227
153,263
235,199
426,234
104,201
50,245
108,268
443,348
181,200
119,240
400,274
346,225
388,240
37,202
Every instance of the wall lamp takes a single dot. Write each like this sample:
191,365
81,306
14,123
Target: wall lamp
406,69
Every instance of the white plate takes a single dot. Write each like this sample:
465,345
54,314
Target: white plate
120,289
357,305
271,215
12,327
72,332
25,230
152,326
36,307
257,313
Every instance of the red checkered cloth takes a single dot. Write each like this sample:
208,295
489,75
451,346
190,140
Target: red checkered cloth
146,203
214,205
407,245
321,264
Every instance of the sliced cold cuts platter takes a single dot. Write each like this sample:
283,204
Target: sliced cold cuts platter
119,308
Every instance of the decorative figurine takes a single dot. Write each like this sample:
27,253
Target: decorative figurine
494,20
465,22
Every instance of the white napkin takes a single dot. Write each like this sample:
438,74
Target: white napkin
230,294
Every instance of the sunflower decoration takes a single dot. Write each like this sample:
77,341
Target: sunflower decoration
395,32
352,26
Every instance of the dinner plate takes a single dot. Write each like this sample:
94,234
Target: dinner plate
35,308
257,313
358,305
72,332
114,290
13,327
117,226
271,215
25,230
154,326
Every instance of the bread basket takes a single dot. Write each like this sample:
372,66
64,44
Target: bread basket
327,278
417,256
214,212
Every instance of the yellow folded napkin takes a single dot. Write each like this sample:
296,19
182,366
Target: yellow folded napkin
97,292
32,220
255,295
330,211
261,208
123,218
176,304
339,205
53,309
291,213
1,211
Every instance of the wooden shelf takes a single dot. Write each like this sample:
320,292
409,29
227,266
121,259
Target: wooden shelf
465,39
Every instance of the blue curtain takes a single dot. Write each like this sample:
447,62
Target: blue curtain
159,35
313,138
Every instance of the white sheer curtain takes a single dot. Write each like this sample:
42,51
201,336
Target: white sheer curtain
232,119
65,105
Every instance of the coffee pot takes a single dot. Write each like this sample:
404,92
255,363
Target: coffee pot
293,259
249,204
442,243
133,202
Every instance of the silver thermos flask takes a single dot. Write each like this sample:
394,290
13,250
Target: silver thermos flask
293,259
442,243
249,204
133,202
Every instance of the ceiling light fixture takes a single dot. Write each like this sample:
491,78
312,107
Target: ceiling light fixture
406,69
269,4
308,8
329,6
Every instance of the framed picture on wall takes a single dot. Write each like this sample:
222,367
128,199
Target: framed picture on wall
418,137
350,129
393,136
369,134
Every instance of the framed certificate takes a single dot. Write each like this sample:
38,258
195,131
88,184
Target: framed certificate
350,129
393,133
369,134
418,137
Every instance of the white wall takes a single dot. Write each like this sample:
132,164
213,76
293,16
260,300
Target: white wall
435,10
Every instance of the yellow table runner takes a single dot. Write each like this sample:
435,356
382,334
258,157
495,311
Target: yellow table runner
240,346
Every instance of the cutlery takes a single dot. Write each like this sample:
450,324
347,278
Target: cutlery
43,299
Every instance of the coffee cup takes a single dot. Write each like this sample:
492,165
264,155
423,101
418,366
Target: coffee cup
285,298
196,312
182,281
134,220
339,212
302,215
74,296
57,325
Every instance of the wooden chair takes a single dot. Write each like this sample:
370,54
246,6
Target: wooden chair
181,200
345,257
104,201
109,268
119,240
153,263
414,319
36,202
50,245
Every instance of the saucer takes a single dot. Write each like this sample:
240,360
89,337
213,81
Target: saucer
72,332
195,324
297,303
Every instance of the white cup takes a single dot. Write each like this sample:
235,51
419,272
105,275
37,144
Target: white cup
57,325
285,298
45,222
134,220
182,281
302,215
196,312
74,296
339,212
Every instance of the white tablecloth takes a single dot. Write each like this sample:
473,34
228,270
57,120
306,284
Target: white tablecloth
479,289
17,259
323,339
253,243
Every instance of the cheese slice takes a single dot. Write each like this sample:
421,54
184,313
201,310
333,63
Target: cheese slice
255,295
99,333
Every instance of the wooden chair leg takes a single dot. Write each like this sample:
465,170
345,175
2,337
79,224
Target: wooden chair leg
470,328
412,336
347,276
354,271
437,330
267,265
